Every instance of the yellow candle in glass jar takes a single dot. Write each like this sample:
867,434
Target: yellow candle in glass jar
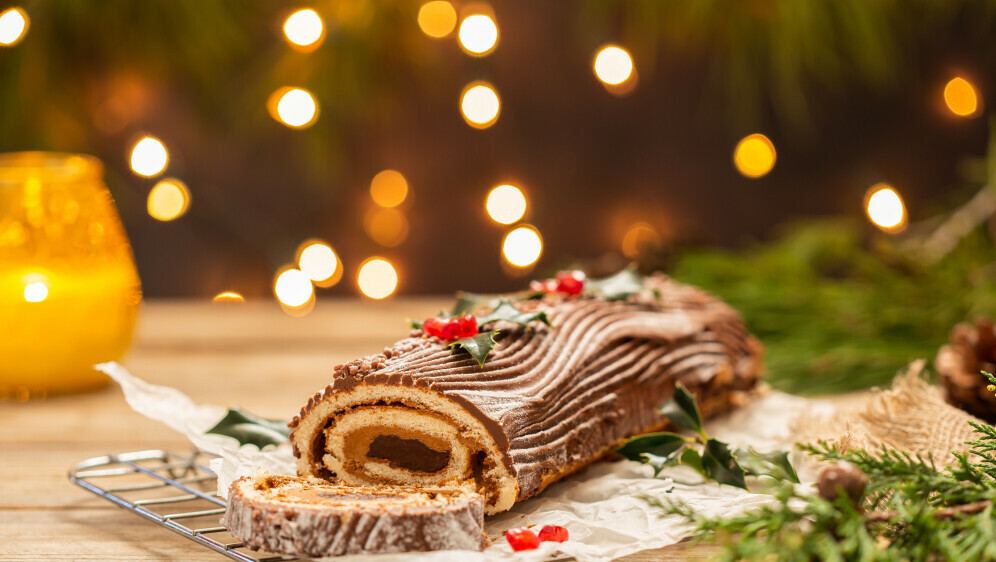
69,292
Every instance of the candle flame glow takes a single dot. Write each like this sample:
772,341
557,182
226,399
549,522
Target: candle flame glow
228,297
522,246
168,200
480,105
961,97
613,65
294,107
389,188
293,288
36,291
377,278
437,19
13,26
885,208
478,34
318,261
304,28
149,157
506,204
754,155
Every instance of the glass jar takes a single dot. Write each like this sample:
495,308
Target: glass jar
69,292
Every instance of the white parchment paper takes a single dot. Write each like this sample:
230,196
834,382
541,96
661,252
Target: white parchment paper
603,507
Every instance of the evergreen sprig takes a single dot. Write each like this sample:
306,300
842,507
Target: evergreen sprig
912,510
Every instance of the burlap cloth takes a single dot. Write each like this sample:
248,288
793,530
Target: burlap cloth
912,416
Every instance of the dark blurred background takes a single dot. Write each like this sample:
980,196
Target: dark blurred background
850,93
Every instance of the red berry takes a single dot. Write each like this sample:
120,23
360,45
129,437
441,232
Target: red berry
522,538
434,326
451,330
553,533
571,282
468,325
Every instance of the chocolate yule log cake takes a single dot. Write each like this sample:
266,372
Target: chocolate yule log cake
311,517
579,365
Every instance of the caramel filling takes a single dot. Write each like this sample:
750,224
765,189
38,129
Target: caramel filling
401,448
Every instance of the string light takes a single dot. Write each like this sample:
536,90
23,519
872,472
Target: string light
13,26
885,208
639,236
389,188
318,261
387,227
293,288
168,200
613,65
149,157
754,155
961,97
294,107
480,105
522,246
304,28
506,204
437,19
228,297
36,291
478,34
377,278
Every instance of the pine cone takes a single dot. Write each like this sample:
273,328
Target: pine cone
972,349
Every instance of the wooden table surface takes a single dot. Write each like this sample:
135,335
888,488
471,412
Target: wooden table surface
249,354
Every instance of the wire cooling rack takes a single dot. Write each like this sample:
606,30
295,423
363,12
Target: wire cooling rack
174,491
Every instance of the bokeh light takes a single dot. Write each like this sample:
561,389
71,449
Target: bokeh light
318,261
885,208
228,297
294,107
168,200
480,105
377,278
754,155
13,26
437,19
389,188
638,238
961,97
613,65
387,227
478,34
293,288
522,246
36,291
506,204
149,157
304,28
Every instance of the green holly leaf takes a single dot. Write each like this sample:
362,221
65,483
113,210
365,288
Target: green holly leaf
250,429
416,324
469,302
478,346
508,312
619,286
659,450
776,464
719,464
682,411
693,459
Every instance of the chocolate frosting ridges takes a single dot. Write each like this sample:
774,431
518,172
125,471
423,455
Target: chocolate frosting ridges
555,398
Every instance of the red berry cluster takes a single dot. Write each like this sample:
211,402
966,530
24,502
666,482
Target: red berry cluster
522,538
568,282
451,328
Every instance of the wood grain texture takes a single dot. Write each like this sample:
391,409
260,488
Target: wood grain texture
251,354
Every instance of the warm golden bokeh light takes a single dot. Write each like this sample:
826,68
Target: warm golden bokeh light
480,105
506,204
389,188
885,208
961,97
754,155
304,28
36,291
293,288
522,246
149,157
613,65
387,227
437,19
168,200
13,26
318,261
228,297
639,236
294,107
377,278
478,34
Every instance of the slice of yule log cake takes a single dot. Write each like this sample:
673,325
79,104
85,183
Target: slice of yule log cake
312,517
527,389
